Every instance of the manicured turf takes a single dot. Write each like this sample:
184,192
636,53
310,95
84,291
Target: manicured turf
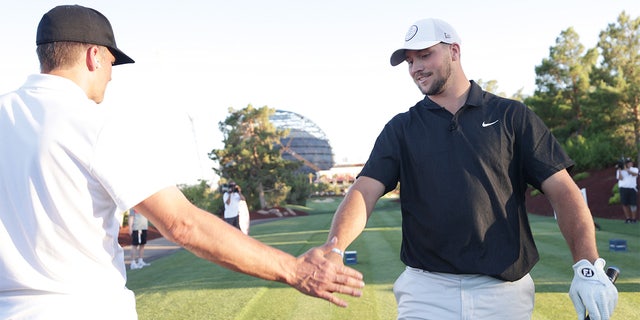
182,286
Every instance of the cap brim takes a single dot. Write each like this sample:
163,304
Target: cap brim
400,55
121,57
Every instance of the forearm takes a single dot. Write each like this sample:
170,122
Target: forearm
348,221
353,213
212,239
574,218
577,227
217,241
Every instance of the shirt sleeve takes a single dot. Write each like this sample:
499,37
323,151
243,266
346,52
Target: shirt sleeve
542,154
134,160
384,162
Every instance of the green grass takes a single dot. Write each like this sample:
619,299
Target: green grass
182,286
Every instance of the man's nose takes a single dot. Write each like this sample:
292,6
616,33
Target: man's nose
414,67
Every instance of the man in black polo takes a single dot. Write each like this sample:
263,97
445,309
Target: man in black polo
464,158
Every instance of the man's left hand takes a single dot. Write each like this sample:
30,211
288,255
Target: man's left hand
591,290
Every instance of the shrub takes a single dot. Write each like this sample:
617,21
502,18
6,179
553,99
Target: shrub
615,195
203,197
596,152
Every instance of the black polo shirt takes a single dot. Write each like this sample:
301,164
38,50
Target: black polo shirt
463,179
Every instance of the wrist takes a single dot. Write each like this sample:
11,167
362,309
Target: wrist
587,271
338,252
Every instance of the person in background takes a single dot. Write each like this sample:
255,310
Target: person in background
627,176
138,228
64,183
464,158
231,198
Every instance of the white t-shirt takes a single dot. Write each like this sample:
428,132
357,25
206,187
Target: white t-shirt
65,179
628,180
140,222
231,210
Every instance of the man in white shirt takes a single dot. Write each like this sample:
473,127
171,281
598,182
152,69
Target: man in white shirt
138,226
231,198
627,177
63,180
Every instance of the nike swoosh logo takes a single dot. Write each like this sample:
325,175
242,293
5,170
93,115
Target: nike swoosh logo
484,124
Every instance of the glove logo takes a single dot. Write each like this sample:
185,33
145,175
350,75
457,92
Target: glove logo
587,272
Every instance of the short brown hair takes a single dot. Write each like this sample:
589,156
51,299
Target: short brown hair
62,54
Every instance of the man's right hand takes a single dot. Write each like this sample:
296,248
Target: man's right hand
321,276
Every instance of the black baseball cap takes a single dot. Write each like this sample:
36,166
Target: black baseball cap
79,24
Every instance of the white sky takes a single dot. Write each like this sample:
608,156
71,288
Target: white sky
326,60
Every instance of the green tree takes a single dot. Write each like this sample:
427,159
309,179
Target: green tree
589,98
252,158
490,86
619,78
562,86
519,95
203,197
301,188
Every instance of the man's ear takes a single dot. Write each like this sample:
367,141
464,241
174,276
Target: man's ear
455,51
92,58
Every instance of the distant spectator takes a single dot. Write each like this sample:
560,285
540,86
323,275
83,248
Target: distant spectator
231,198
627,176
138,226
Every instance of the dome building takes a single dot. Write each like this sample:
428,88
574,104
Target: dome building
306,142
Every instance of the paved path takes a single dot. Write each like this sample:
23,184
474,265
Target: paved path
153,250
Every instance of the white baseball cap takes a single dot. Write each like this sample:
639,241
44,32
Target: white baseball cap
424,34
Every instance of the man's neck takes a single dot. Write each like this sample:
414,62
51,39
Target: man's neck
453,98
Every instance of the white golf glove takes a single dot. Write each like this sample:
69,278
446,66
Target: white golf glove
591,290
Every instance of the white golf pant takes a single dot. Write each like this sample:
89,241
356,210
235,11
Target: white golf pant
442,296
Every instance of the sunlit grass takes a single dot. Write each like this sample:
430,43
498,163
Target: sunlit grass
183,286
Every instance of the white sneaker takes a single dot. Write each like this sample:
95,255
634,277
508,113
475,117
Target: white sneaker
141,263
135,266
